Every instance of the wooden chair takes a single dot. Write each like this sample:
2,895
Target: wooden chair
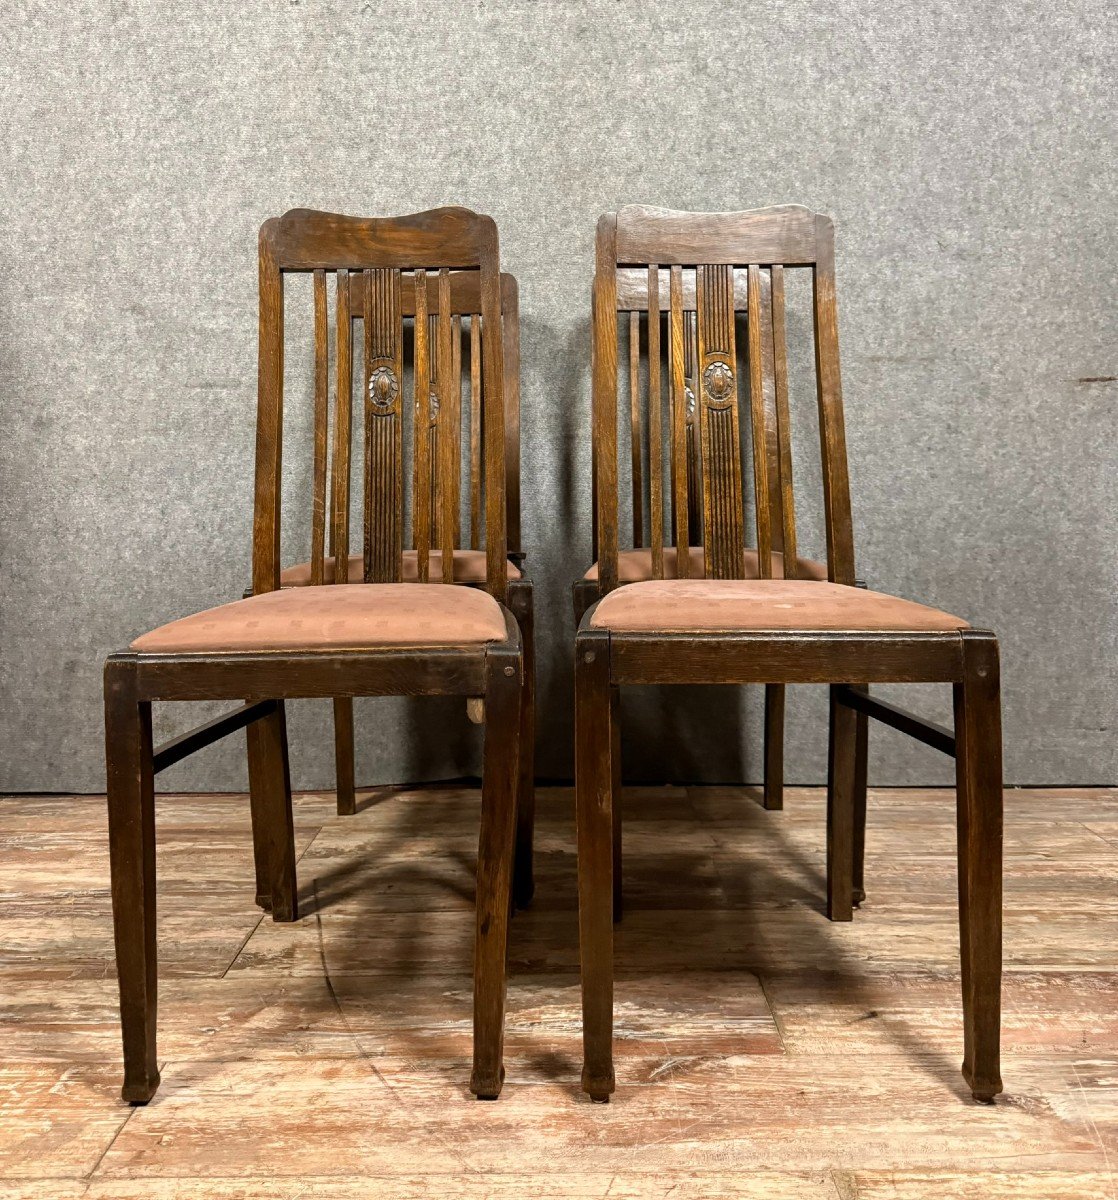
384,637
635,564
457,424
727,628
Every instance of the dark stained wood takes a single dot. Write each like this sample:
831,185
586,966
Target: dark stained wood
786,234
783,426
655,427
204,735
344,756
475,432
679,417
895,717
761,497
321,428
378,253
715,246
510,336
343,423
723,535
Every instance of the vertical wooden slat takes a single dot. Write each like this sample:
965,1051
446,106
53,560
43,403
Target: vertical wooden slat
678,410
433,429
454,421
772,424
759,425
691,392
446,492
475,431
723,536
510,337
655,427
496,543
783,426
343,417
422,439
594,437
269,422
383,421
636,432
605,399
321,429
832,433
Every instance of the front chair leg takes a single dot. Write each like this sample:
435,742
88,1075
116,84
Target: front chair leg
523,879
496,850
273,831
978,768
860,786
774,746
596,712
840,810
344,771
131,801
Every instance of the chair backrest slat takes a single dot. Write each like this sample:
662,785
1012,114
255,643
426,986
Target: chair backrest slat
510,335
321,427
760,438
475,432
655,427
448,429
723,535
383,408
432,268
343,423
714,271
678,408
783,425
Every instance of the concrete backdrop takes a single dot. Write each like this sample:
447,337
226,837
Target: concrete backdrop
965,151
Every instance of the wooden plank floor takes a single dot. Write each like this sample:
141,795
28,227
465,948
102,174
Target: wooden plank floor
762,1051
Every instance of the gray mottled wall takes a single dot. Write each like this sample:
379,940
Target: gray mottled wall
965,151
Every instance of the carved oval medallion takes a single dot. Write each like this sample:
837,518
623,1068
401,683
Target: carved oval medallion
383,389
718,384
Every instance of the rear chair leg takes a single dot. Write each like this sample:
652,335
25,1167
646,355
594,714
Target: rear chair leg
840,811
343,755
978,770
774,746
131,801
596,712
861,772
273,831
523,880
496,850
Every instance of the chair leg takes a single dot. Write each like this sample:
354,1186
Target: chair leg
615,765
978,768
774,746
840,811
861,773
131,801
273,831
523,879
596,712
496,851
343,755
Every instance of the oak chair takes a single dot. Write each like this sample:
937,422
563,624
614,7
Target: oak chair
384,637
635,564
730,629
458,427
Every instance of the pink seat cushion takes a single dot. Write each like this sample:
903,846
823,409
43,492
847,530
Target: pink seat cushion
739,605
342,616
469,567
636,565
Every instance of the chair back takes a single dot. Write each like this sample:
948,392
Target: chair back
419,301
688,282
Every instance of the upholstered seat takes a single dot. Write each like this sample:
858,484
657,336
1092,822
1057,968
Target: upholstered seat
469,567
636,565
342,616
741,605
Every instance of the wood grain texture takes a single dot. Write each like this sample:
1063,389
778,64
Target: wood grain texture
761,1051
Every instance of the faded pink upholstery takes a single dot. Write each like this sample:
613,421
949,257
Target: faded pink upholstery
737,605
469,567
341,616
636,565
